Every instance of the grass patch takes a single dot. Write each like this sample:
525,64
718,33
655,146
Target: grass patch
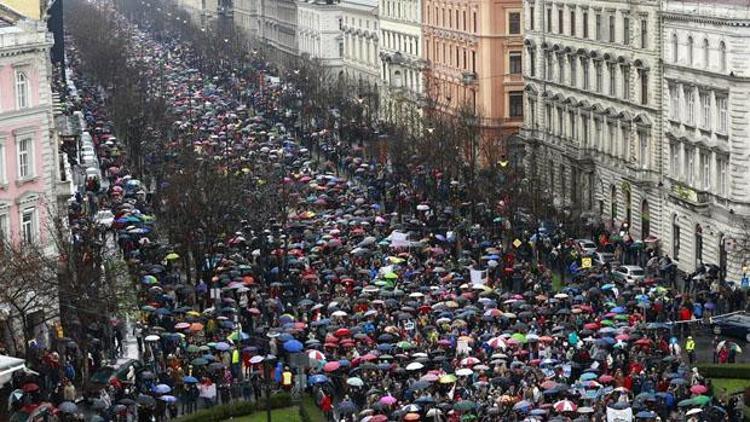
557,283
311,409
287,414
728,386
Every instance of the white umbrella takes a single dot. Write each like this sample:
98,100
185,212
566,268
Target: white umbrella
414,366
152,337
464,372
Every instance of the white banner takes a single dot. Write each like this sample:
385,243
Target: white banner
477,276
616,415
398,240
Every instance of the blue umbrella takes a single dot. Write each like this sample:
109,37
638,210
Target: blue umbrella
293,346
618,310
587,376
221,346
318,379
168,398
161,389
522,406
189,379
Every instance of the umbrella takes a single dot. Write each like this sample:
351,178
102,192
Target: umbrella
565,406
388,400
318,379
414,366
161,389
67,407
464,405
347,407
331,366
152,337
293,346
355,382
698,389
189,379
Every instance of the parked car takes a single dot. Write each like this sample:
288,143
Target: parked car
630,274
587,246
603,258
734,325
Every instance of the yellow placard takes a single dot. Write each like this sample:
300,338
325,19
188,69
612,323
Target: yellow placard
586,262
516,243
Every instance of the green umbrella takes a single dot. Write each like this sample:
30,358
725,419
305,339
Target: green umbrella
464,405
391,276
607,322
621,317
199,362
521,338
193,349
148,308
701,400
447,379
404,345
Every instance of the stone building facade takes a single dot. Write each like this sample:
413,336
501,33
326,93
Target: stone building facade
360,29
319,33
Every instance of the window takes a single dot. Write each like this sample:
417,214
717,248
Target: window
723,169
698,245
626,30
560,27
585,67
690,51
612,138
532,113
643,149
674,98
532,61
560,123
549,20
25,158
22,90
585,24
573,71
611,69
515,104
706,169
644,33
514,23
514,61
690,106
341,49
625,82
675,239
548,117
722,56
598,28
573,23
721,118
4,228
531,18
597,134
644,86
572,124
28,225
598,69
585,131
3,179
690,168
611,28
705,99
674,157
675,49
560,68
705,53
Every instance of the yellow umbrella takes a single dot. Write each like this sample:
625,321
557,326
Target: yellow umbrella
172,256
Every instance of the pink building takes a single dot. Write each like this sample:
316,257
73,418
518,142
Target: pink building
29,173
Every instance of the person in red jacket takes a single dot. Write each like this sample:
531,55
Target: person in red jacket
326,405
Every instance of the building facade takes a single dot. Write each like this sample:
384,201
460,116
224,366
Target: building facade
706,127
474,55
319,33
361,43
401,60
246,16
592,126
278,28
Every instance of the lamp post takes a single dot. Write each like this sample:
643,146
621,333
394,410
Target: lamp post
268,362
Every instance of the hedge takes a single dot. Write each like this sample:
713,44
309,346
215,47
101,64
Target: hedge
731,370
309,411
223,412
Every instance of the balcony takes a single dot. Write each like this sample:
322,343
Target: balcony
513,78
697,200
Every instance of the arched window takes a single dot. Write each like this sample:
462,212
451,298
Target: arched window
675,238
22,90
723,56
698,245
613,203
645,220
690,50
705,52
675,48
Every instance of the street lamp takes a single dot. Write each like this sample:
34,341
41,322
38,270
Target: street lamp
268,362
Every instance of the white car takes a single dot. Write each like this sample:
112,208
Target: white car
104,218
587,246
630,274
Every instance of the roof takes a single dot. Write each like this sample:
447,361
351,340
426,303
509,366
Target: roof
8,16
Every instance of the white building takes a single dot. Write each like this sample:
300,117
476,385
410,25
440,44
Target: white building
246,16
592,124
319,33
361,45
279,27
400,54
707,134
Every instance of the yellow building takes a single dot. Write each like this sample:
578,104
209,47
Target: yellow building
30,8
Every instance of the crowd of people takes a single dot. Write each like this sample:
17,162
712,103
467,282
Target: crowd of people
382,304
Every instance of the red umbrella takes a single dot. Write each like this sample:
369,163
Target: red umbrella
698,389
30,388
331,366
606,379
342,332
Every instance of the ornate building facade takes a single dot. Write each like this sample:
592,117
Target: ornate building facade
319,33
361,44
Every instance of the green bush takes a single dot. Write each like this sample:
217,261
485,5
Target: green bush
223,412
309,411
732,370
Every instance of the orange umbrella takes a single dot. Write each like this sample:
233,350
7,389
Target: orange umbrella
196,326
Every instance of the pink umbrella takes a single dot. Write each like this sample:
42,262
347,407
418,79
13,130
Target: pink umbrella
182,325
331,366
606,378
565,406
316,355
388,400
698,389
497,343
